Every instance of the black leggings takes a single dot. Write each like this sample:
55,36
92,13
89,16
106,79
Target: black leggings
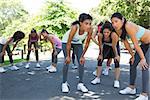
8,52
108,53
36,50
54,57
117,65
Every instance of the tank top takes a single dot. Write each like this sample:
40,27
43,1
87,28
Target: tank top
33,39
140,32
57,41
3,41
109,43
77,39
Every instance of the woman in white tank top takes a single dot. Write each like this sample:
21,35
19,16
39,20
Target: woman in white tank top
4,45
79,31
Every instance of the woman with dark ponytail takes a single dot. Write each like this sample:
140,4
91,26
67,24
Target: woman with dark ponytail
33,40
56,45
108,42
137,33
5,45
108,63
79,30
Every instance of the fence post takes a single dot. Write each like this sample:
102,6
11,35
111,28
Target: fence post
24,48
21,54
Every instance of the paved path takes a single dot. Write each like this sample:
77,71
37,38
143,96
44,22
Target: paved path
38,84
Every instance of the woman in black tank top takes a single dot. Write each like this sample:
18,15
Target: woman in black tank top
108,48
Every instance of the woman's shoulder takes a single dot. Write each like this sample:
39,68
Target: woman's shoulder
130,25
76,26
114,35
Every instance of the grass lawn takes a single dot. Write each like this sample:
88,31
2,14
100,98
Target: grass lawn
16,59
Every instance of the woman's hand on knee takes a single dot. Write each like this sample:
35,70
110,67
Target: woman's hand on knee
131,60
2,54
100,57
68,60
144,64
117,58
82,60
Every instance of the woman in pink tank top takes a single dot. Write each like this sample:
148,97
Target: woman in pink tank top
56,45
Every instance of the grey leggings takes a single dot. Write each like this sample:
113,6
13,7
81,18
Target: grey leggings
54,57
145,73
78,49
8,52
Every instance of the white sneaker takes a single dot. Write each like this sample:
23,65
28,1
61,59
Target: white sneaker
116,84
52,69
95,73
38,65
110,68
82,88
65,88
2,70
14,67
105,72
128,90
74,66
48,67
96,81
142,97
27,65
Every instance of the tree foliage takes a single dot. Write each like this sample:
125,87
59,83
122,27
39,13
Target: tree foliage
57,17
10,10
137,11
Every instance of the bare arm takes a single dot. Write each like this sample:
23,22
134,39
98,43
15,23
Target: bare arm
87,42
72,33
100,44
93,37
15,45
128,47
115,40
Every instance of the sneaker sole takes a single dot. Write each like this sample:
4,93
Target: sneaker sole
52,71
116,87
94,83
81,90
127,93
65,91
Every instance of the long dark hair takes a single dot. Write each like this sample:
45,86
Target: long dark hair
120,16
44,30
82,17
18,35
100,24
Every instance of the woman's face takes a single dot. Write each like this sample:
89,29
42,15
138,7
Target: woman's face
117,23
106,32
44,34
86,25
33,34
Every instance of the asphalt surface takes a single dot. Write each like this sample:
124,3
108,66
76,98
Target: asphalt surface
38,84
